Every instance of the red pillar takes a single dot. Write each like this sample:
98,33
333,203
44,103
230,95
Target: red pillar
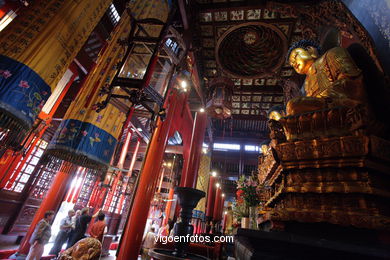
92,198
132,236
210,197
9,161
26,156
133,159
5,163
221,207
169,205
190,175
52,201
217,203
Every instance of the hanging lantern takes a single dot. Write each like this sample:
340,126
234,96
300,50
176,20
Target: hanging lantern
219,104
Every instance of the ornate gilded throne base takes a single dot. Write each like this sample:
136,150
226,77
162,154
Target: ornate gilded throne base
332,209
340,180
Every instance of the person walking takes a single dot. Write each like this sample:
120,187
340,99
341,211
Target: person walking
99,228
40,236
63,234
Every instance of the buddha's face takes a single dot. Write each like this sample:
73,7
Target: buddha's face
302,59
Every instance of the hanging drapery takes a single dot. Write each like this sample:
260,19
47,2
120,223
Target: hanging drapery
35,51
87,137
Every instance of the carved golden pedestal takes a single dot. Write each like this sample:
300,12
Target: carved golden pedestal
340,179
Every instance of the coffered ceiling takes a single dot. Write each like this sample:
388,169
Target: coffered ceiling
247,44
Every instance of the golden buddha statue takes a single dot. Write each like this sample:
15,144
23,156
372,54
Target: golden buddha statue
331,80
85,249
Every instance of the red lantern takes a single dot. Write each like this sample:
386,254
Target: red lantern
219,104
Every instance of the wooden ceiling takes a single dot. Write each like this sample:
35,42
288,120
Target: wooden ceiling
247,62
254,93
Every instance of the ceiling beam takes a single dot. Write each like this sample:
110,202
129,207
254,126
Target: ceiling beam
259,136
142,113
250,117
229,4
259,90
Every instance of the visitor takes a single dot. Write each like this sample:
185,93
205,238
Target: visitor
81,226
148,243
163,231
78,214
63,234
155,226
99,228
74,218
40,236
170,224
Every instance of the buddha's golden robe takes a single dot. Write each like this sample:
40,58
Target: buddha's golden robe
333,80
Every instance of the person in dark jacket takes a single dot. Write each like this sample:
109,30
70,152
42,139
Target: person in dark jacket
81,226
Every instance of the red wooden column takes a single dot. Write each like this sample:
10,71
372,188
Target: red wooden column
29,151
217,203
133,159
190,175
169,205
210,201
132,236
52,201
10,159
211,197
221,206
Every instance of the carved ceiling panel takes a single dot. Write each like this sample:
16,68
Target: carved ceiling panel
247,45
251,50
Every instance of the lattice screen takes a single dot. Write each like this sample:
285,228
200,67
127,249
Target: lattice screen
86,189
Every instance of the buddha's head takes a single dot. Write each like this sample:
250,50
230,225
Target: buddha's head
302,54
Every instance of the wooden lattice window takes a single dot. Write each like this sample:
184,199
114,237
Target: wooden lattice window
122,195
115,199
28,168
86,188
44,180
112,199
113,14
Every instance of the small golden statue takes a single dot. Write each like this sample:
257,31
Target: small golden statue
85,249
331,80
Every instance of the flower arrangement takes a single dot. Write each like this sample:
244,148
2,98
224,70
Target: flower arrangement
240,210
247,195
248,190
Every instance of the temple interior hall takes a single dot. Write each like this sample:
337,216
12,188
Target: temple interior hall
194,129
